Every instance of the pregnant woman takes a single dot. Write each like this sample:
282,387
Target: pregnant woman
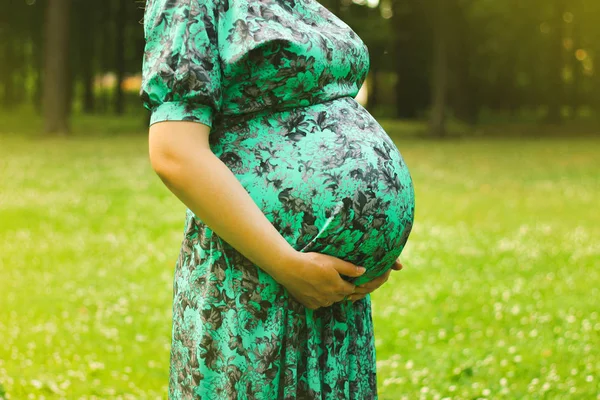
290,185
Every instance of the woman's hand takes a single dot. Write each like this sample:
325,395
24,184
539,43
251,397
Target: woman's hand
362,290
314,279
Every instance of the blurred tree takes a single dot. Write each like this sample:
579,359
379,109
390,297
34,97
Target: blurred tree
56,78
84,47
411,39
555,89
107,43
441,31
37,14
121,18
589,53
463,89
13,26
575,67
367,23
8,55
508,59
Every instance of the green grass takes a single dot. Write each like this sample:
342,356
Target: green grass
498,298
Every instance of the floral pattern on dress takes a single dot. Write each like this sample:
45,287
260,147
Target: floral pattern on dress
276,80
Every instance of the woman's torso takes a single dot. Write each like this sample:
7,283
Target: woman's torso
316,162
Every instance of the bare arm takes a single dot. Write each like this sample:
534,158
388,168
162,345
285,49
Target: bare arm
181,156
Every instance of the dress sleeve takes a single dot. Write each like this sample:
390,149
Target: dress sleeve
181,72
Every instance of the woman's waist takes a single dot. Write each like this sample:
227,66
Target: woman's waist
340,127
235,114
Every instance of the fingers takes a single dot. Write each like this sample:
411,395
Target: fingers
376,283
347,268
344,292
346,288
380,280
316,304
350,292
368,288
397,265
364,290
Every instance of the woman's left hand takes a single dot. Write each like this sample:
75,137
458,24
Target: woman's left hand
361,291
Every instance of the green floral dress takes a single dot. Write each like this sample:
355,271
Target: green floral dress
276,80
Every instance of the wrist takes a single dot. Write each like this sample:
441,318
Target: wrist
285,262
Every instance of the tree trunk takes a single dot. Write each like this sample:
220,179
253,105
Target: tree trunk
121,21
437,122
464,92
411,31
575,65
10,52
56,67
86,50
37,29
107,39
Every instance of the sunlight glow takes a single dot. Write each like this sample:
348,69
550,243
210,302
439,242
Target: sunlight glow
369,3
568,17
581,54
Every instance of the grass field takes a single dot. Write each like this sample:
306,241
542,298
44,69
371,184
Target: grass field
499,297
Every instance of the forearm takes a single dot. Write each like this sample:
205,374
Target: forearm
213,193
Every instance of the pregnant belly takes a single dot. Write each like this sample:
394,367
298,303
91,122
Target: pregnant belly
328,177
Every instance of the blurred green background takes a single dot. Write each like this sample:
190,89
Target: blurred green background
494,105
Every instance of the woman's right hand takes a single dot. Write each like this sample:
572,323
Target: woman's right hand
314,279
